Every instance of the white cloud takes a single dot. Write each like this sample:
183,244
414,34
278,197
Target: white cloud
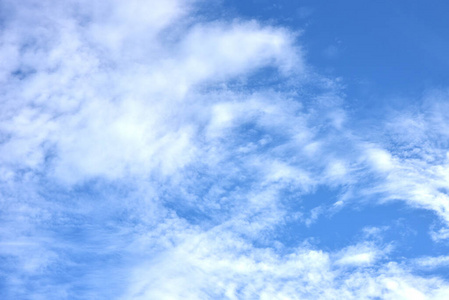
114,114
432,262
219,265
123,118
411,161
364,254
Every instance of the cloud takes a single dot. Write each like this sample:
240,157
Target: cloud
360,254
101,115
432,262
221,266
411,160
141,159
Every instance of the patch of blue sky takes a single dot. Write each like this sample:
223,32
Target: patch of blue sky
332,228
385,51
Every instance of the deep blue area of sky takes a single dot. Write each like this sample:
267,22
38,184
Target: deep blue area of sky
385,51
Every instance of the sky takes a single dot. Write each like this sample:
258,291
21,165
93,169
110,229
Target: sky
223,149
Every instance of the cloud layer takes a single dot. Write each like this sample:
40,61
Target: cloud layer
149,151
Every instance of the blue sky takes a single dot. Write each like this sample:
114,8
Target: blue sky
224,150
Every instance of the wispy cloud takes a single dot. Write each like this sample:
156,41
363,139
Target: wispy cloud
409,156
140,159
